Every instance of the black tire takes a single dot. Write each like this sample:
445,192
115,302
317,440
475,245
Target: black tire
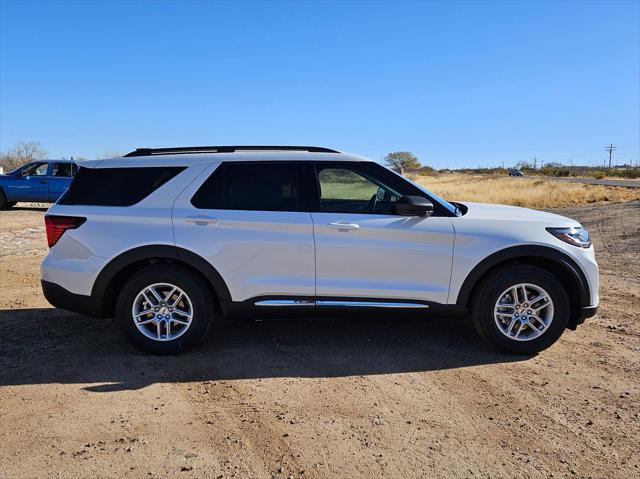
3,201
190,283
486,296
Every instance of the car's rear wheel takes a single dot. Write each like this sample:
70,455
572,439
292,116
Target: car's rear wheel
521,309
4,203
165,309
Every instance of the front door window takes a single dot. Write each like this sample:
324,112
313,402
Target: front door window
35,169
348,190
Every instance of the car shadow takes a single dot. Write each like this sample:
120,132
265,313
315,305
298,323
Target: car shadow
42,346
27,207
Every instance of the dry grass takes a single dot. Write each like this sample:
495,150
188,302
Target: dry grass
527,192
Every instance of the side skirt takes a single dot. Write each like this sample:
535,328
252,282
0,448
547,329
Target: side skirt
287,307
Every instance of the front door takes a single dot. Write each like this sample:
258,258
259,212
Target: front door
33,183
247,221
365,250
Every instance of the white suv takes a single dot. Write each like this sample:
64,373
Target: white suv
167,240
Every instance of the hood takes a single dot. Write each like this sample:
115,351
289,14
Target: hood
487,211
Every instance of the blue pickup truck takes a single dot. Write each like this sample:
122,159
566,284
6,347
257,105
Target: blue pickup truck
37,181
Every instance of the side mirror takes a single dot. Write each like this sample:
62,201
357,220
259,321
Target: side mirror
414,206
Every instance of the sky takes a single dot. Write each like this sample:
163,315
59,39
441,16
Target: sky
459,84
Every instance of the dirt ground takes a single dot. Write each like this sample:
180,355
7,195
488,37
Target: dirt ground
319,399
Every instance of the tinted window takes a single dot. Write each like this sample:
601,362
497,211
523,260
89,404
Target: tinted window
62,169
35,169
349,190
250,186
116,186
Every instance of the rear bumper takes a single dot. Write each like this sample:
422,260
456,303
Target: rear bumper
78,303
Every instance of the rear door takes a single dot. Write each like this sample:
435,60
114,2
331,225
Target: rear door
246,220
59,179
365,250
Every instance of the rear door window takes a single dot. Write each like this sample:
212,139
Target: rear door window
62,169
116,186
250,186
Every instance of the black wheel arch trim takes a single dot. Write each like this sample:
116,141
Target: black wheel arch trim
166,252
520,252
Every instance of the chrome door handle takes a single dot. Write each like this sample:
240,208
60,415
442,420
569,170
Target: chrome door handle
341,225
201,220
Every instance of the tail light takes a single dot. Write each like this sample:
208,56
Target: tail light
57,225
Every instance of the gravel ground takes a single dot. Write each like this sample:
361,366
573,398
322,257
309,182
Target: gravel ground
319,399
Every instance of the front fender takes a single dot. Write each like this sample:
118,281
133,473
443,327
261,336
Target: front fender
526,252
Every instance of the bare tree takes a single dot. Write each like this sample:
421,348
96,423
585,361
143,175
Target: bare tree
524,165
402,160
23,152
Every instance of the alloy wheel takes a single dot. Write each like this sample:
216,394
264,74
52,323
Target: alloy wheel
523,312
162,312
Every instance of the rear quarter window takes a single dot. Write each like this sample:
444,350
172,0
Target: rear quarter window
116,186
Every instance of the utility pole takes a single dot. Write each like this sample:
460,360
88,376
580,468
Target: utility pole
610,149
535,162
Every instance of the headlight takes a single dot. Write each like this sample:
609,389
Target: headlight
576,236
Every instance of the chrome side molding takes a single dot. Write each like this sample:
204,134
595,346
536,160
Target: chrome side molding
285,302
339,303
370,304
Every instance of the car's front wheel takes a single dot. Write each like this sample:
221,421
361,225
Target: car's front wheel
521,309
164,309
4,203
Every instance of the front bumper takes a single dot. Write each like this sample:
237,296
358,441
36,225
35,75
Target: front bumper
78,303
583,313
586,312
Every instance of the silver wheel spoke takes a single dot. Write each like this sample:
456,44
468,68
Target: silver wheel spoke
179,321
168,296
531,325
511,325
174,303
147,321
542,306
143,313
147,299
155,295
524,294
538,298
182,313
539,321
514,296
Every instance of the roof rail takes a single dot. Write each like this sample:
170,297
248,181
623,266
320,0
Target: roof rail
224,149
